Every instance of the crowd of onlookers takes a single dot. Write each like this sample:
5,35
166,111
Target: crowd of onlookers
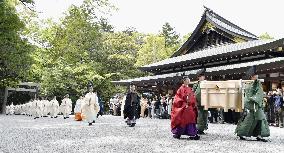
274,108
156,106
150,106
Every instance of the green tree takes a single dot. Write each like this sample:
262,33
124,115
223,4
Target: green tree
105,26
122,51
15,59
78,50
171,37
74,55
153,50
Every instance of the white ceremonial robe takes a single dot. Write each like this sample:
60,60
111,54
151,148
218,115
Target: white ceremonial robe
115,106
45,105
16,110
66,107
7,110
36,108
54,108
122,105
170,101
77,108
24,108
90,107
40,107
29,108
12,109
69,106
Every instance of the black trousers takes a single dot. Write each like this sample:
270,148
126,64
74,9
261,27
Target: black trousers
214,115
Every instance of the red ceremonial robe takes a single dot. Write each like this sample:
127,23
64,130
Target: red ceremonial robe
184,108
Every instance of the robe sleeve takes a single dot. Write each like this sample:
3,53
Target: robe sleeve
138,100
257,98
86,99
127,100
197,91
98,104
194,87
180,97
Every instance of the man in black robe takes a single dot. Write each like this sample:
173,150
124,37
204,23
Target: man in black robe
132,107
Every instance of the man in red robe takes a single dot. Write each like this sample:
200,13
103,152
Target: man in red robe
183,115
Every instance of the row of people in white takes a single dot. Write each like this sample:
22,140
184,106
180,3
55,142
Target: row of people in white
88,106
41,108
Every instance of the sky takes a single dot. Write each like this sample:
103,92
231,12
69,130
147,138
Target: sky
148,16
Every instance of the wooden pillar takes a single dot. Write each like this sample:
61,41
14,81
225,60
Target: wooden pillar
5,101
221,40
217,36
268,83
205,41
212,34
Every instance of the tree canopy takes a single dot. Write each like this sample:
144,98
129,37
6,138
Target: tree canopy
15,50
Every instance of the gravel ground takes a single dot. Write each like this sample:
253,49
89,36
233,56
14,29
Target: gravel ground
20,134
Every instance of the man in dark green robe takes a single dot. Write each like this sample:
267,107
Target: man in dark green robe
202,119
253,123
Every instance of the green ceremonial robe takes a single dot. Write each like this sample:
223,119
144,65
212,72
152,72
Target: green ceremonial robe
253,122
202,114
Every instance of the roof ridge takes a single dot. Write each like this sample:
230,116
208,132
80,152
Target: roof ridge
226,20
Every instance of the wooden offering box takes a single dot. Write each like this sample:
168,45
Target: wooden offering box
222,94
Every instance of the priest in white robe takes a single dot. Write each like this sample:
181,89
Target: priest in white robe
77,109
54,108
66,106
7,110
36,108
45,109
12,109
90,107
29,108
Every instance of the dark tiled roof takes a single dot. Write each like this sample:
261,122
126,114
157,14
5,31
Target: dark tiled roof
220,21
221,24
224,49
